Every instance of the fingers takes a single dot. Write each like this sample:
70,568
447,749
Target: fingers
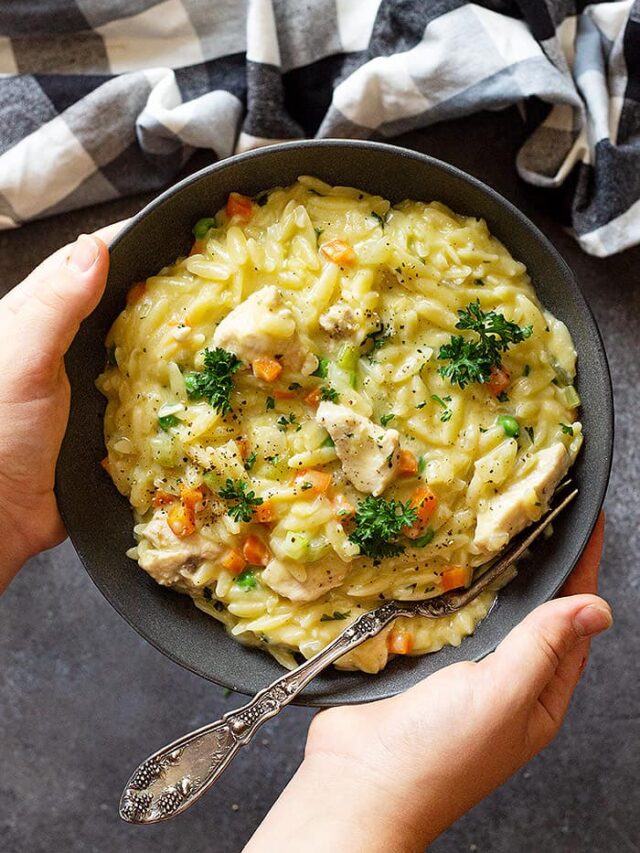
49,306
530,656
584,578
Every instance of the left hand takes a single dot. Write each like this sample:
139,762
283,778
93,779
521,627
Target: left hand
38,320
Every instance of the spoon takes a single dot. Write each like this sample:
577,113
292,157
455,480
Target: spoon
172,779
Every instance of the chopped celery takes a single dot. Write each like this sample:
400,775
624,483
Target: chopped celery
348,357
213,480
296,546
569,396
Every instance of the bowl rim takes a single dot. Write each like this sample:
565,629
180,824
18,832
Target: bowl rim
334,700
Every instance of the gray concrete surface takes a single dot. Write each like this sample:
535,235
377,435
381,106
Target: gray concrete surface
83,698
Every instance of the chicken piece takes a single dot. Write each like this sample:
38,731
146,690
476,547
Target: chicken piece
368,452
304,582
168,558
339,320
264,326
522,502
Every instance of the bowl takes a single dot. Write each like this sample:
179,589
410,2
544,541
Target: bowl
99,519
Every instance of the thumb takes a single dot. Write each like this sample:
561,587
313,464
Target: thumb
43,313
545,646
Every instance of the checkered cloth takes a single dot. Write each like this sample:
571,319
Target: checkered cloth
104,98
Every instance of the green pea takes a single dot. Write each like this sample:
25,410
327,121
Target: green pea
510,425
202,226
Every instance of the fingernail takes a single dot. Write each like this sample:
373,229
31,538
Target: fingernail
83,254
591,620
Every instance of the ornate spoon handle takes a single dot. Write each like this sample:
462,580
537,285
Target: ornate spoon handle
173,778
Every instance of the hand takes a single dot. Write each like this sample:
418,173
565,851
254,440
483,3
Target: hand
394,774
38,320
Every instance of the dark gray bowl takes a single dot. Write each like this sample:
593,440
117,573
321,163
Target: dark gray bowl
99,520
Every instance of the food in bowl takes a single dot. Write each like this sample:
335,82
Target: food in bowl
333,401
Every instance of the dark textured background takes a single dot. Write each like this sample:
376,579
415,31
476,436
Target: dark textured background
83,699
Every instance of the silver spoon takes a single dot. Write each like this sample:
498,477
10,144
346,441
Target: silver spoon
173,778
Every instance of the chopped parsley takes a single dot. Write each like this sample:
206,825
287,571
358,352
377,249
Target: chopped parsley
503,397
244,501
442,402
215,382
328,442
473,360
335,616
270,403
250,461
379,523
385,419
285,421
479,282
529,431
378,339
329,393
526,370
382,220
566,429
167,421
246,580
322,369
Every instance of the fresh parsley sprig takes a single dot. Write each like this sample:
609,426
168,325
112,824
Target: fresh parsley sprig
379,523
473,360
244,501
215,382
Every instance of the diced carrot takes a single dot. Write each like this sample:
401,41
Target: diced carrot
425,504
198,247
240,206
313,397
243,447
136,292
338,252
342,508
455,576
400,642
162,498
181,519
255,551
499,380
105,465
233,561
284,394
407,463
265,513
320,480
267,369
190,497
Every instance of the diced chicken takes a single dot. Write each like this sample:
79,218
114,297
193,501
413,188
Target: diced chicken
306,582
264,326
168,558
370,657
342,321
368,452
339,320
522,502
